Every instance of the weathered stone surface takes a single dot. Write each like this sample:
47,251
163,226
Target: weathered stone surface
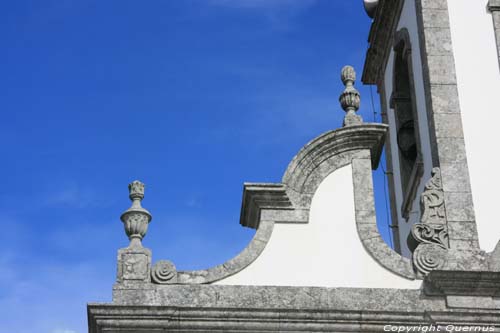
452,150
462,230
436,18
459,206
448,125
462,283
441,68
439,41
455,177
444,99
212,308
164,272
258,196
434,4
471,302
380,39
494,7
134,264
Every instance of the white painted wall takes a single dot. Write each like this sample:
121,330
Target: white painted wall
478,79
408,20
326,252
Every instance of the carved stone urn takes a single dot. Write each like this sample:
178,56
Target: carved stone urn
136,219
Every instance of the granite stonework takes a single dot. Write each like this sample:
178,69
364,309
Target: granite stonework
494,8
460,284
443,114
209,308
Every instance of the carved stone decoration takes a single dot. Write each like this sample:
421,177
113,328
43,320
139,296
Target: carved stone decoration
428,257
428,239
164,272
136,219
350,98
432,200
430,234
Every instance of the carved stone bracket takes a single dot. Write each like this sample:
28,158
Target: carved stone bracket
428,239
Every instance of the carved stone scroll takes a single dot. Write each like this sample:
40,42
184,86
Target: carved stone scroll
164,272
428,239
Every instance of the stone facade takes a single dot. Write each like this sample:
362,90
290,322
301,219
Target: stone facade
494,7
460,284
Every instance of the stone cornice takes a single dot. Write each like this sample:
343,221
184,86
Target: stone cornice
207,308
258,196
369,136
380,39
462,283
494,5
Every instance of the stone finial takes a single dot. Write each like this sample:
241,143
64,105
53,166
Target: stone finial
136,190
350,97
136,218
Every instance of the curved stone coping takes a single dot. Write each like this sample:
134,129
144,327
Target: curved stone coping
265,204
232,266
359,137
366,221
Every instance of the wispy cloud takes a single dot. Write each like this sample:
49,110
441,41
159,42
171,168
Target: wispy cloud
280,14
263,4
49,294
73,194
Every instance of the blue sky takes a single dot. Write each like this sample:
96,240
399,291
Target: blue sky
193,97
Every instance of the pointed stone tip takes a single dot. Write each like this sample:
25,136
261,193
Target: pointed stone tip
348,74
136,189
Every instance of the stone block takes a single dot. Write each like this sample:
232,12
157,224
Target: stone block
433,4
435,18
134,264
464,244
441,68
438,41
444,99
367,231
451,150
448,125
455,177
462,230
459,206
471,302
366,217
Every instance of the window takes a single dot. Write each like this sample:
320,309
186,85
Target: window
403,103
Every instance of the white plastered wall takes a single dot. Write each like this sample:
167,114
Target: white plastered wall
408,20
478,81
326,252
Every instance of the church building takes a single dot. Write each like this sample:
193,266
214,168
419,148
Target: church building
317,262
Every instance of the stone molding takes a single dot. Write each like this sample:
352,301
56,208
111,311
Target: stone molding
259,196
461,283
366,136
494,8
380,39
214,308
